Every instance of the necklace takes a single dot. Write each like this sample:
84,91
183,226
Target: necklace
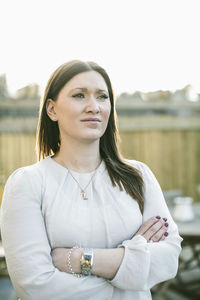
83,193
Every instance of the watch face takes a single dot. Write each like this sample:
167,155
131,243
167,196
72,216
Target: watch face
88,257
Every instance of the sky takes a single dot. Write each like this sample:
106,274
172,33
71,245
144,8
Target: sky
144,45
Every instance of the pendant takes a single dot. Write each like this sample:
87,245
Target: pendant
83,194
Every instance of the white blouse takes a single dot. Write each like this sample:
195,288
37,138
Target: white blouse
42,209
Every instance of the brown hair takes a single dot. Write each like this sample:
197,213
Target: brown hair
48,135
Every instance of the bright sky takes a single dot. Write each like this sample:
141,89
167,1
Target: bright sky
144,45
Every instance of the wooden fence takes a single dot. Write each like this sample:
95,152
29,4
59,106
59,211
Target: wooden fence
16,150
174,157
172,154
170,146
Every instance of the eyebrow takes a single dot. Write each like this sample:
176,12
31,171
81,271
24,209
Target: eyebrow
85,90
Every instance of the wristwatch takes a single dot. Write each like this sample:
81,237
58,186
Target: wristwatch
86,261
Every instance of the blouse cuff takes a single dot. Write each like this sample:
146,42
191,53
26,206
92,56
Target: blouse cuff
134,269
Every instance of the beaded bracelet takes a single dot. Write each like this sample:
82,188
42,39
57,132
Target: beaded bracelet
69,262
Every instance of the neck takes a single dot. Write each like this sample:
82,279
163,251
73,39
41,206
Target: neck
79,157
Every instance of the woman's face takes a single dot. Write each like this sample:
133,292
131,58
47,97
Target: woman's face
82,107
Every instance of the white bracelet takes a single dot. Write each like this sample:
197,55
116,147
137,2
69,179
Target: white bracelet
69,262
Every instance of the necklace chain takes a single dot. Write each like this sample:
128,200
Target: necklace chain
83,193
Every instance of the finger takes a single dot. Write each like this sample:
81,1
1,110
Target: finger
159,234
147,225
164,236
153,231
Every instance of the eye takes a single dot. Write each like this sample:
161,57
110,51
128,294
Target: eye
103,96
79,95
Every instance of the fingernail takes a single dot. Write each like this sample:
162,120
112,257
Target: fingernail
166,233
166,224
165,219
157,217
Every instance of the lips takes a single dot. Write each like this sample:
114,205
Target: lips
91,120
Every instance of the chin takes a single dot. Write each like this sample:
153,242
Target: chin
91,137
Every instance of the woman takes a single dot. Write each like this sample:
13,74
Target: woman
83,222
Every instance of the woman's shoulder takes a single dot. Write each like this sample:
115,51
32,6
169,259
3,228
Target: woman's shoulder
139,165
25,183
143,168
34,172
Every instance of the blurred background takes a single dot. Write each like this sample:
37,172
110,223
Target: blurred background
150,50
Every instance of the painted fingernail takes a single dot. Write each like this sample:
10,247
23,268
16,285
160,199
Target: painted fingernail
166,224
157,217
166,233
165,219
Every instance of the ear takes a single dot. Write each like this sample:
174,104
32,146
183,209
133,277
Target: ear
50,104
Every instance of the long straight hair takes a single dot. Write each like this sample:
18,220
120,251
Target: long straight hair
48,135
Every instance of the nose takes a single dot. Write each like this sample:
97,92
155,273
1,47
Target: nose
92,105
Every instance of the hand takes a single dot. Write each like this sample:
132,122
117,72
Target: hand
154,229
60,259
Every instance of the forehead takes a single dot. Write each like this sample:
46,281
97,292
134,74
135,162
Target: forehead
89,80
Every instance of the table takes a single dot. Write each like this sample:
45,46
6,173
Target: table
187,281
188,278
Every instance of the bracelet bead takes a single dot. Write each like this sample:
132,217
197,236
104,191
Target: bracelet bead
69,262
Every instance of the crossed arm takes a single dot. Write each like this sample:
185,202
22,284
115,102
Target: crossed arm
108,261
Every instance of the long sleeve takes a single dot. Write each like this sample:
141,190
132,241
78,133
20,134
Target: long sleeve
146,264
27,247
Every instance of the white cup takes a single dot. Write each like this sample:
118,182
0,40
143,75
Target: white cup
183,210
